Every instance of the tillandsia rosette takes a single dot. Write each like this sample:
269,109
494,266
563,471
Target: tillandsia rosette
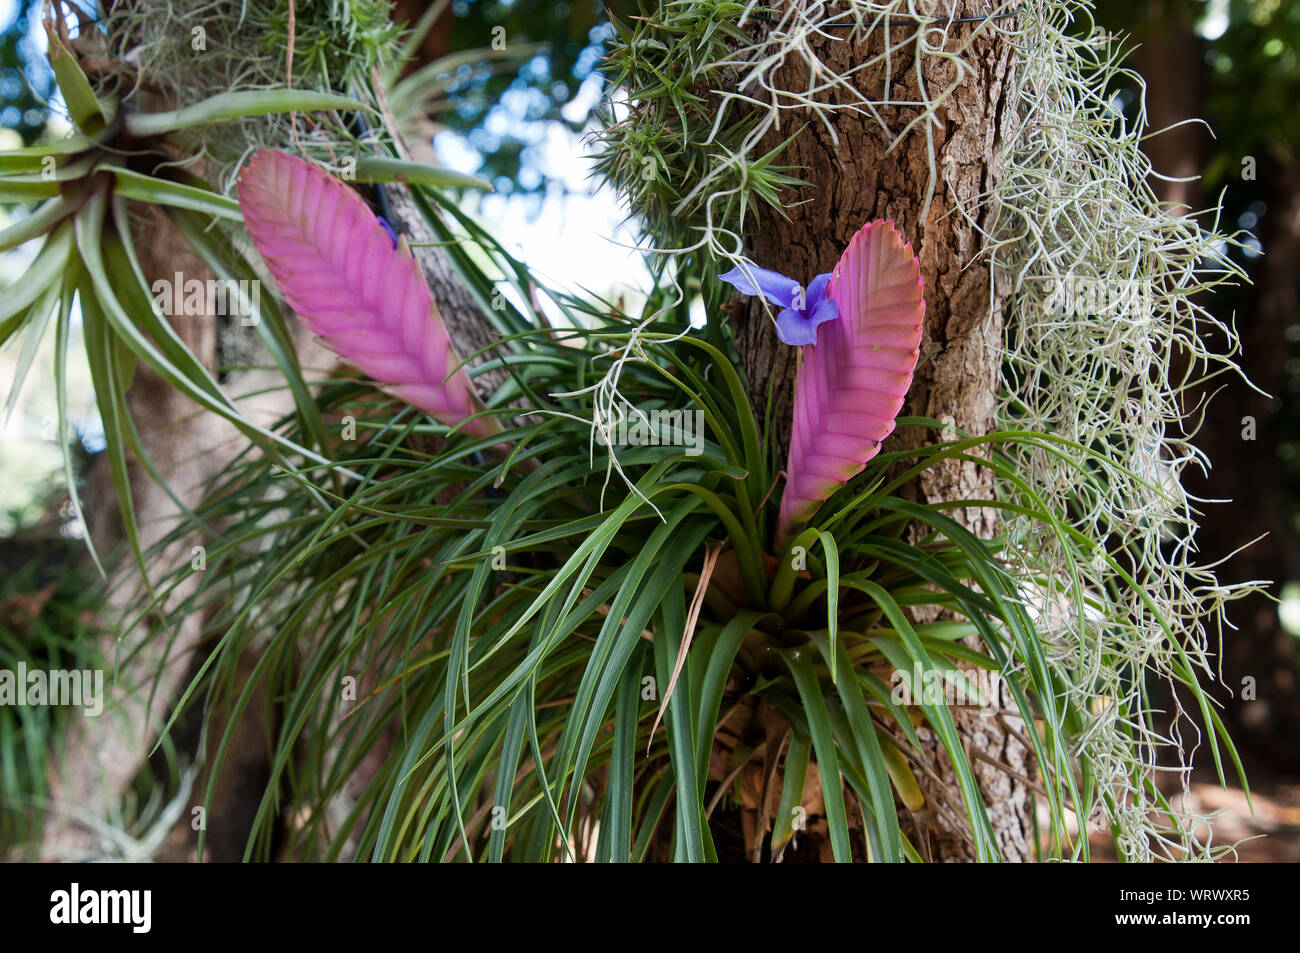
363,294
358,288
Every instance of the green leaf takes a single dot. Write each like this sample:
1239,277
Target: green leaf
616,823
224,107
373,168
77,168
148,188
940,720
83,106
810,693
39,321
111,397
26,190
783,581
832,596
794,774
869,752
901,775
692,833
62,335
178,365
30,158
39,222
668,548
43,273
266,319
721,660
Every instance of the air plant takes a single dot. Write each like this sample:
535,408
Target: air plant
361,291
82,188
698,176
523,697
853,377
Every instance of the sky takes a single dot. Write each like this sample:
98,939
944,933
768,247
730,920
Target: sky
574,235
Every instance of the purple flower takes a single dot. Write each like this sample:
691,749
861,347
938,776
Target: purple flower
796,324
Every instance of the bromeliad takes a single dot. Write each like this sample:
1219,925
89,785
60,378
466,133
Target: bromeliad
855,368
358,287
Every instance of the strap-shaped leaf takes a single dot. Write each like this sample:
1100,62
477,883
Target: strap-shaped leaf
364,296
852,382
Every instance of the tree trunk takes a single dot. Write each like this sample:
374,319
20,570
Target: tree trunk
1171,57
470,328
958,376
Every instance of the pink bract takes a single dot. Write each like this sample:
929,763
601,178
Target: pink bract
852,382
367,300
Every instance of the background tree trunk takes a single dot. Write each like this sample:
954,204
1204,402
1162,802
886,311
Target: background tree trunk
190,446
958,375
1170,48
1246,468
1242,434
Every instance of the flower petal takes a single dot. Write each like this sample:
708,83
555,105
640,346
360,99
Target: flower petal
817,292
826,310
772,285
794,328
798,328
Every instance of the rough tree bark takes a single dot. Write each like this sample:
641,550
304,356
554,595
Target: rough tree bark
852,183
468,325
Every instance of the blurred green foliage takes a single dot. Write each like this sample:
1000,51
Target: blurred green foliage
25,78
49,600
499,111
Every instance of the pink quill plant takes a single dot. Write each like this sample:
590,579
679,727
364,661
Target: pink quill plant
853,377
355,286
